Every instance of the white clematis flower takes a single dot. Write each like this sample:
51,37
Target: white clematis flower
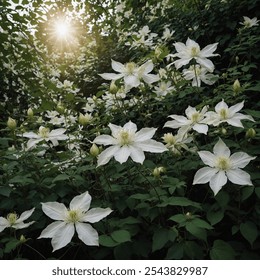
248,22
199,74
45,134
77,216
225,114
194,120
126,142
222,167
14,221
192,51
131,73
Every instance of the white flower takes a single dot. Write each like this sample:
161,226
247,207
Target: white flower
46,135
77,216
163,88
167,34
248,23
196,73
131,73
225,114
222,166
126,142
14,221
194,120
176,143
192,50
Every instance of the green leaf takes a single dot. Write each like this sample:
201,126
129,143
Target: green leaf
249,231
179,218
179,201
215,216
221,250
107,241
5,191
61,177
175,252
11,245
198,232
247,192
257,192
201,223
121,236
160,238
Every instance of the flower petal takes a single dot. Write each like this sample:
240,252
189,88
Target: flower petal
3,224
122,154
144,134
221,149
235,108
30,135
22,225
208,50
221,105
81,202
240,159
62,236
150,78
111,76
218,181
130,126
239,177
51,229
114,129
132,81
204,175
25,215
105,140
55,210
106,155
117,66
205,63
96,214
137,154
87,234
201,128
208,158
151,146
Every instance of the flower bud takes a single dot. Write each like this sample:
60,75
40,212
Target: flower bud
158,170
188,215
251,133
30,113
84,119
113,88
11,123
223,131
22,239
236,86
60,109
94,150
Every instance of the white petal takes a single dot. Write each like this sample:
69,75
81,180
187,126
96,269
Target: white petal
221,105
25,215
57,132
180,47
151,146
107,154
114,129
206,63
240,159
204,175
87,234
51,229
63,236
132,81
22,225
208,158
130,126
122,154
147,67
117,66
208,50
182,61
30,135
145,134
96,214
81,201
150,78
235,122
55,210
239,177
137,154
190,111
221,149
235,108
201,128
111,76
105,140
33,142
218,181
3,224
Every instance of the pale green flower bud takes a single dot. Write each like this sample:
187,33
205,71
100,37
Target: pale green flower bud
158,170
30,113
188,216
113,88
94,150
11,123
236,86
22,239
251,133
223,131
84,119
60,109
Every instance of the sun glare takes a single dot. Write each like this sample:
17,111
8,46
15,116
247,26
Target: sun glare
62,29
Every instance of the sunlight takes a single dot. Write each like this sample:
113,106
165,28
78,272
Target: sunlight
62,29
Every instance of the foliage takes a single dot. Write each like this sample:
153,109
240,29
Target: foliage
157,211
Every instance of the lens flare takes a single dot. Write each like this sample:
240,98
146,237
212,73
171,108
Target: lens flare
62,29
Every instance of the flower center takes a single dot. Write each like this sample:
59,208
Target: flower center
130,68
195,117
169,139
73,216
223,163
44,132
12,218
194,51
223,114
125,137
197,71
